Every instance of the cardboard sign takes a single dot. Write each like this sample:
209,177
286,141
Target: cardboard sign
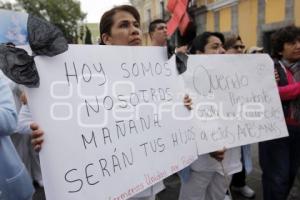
235,100
114,121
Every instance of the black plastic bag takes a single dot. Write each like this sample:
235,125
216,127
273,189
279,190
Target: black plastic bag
45,38
17,65
181,58
181,62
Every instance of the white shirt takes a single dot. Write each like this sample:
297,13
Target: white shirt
232,162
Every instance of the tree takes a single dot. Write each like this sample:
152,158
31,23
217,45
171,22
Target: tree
65,14
88,36
9,6
6,5
81,32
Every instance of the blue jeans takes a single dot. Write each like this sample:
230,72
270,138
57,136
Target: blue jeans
279,160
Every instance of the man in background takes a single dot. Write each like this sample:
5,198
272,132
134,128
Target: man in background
158,33
159,37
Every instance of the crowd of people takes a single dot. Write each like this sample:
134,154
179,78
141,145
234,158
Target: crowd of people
205,178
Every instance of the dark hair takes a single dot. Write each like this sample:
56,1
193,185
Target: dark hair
154,23
201,41
284,35
106,20
231,40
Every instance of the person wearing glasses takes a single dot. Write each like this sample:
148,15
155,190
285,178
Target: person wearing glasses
234,45
205,179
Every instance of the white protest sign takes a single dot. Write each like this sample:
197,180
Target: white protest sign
235,100
109,117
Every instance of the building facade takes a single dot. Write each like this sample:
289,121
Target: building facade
150,10
253,20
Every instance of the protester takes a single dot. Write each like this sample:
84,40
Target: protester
15,183
21,137
205,178
118,26
158,32
280,158
159,37
234,45
26,151
121,26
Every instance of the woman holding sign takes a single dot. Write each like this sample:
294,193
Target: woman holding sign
118,26
280,159
121,26
208,178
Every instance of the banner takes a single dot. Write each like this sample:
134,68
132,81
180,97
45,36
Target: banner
235,100
114,121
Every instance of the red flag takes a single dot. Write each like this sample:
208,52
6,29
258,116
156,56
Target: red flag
172,25
178,13
179,16
184,23
185,3
179,10
171,5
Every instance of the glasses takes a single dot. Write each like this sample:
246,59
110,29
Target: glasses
239,46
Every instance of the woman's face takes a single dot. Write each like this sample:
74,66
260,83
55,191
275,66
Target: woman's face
237,48
291,51
124,31
214,46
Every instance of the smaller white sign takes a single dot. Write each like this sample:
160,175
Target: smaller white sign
235,100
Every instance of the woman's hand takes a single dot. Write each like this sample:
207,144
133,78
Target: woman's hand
36,137
188,102
218,155
23,98
182,49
